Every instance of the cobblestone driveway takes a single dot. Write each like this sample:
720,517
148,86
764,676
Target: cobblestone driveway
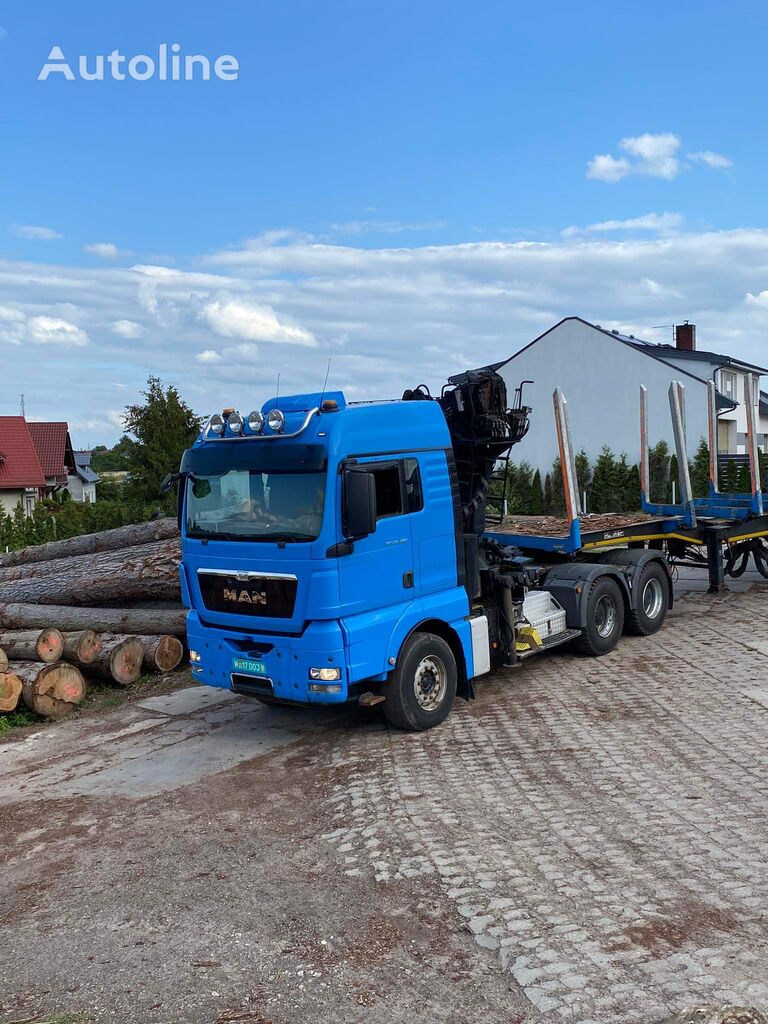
599,823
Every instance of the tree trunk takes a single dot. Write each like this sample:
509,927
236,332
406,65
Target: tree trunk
149,572
10,691
107,540
119,659
3,661
53,691
132,621
33,644
82,647
162,653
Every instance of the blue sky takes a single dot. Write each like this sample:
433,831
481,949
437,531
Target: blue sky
408,187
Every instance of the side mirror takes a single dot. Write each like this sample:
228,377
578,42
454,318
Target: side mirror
168,481
360,490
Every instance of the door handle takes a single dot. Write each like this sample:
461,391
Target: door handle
408,578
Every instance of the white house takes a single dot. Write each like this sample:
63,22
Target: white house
82,483
600,372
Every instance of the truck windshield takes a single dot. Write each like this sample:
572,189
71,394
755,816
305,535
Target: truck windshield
245,495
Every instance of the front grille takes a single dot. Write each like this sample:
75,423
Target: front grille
270,597
251,686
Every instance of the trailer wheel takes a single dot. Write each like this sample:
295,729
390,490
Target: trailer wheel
605,618
653,601
422,688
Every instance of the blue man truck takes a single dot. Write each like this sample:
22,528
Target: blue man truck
339,552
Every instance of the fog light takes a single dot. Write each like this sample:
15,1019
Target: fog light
215,425
275,420
235,422
255,422
194,656
325,674
325,687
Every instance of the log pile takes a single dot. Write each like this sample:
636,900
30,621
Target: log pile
66,614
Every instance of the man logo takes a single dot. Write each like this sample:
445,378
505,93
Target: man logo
245,596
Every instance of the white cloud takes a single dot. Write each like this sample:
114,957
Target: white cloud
654,156
127,329
660,223
388,316
35,231
716,161
605,167
235,318
384,227
106,250
51,330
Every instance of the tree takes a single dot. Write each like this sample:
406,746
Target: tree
547,505
583,474
658,473
164,426
536,503
112,460
700,470
605,483
558,495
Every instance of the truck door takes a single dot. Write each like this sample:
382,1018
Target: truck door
379,573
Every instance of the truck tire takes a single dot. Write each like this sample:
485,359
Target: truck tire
421,691
653,601
605,618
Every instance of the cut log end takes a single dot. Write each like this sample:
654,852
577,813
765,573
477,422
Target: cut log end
50,645
82,647
33,644
162,653
120,659
53,691
3,661
10,691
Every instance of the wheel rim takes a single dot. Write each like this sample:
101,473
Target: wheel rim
430,683
605,616
653,599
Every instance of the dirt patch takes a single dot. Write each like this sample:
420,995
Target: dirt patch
687,922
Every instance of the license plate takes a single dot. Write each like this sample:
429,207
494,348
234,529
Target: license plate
258,668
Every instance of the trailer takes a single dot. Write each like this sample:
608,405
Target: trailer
721,531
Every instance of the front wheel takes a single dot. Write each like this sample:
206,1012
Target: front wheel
421,691
605,618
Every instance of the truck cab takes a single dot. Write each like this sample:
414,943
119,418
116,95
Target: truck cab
326,558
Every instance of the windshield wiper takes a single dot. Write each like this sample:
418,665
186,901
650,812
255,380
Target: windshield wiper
273,538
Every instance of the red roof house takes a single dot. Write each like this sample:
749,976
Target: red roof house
19,464
54,452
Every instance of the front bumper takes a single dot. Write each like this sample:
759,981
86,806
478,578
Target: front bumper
286,660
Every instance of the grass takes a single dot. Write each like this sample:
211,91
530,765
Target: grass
100,696
18,719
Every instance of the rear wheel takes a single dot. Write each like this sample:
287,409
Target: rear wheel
652,601
421,691
605,618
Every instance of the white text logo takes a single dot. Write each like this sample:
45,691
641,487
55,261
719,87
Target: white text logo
168,65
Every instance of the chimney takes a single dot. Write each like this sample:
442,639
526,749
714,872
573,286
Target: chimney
685,337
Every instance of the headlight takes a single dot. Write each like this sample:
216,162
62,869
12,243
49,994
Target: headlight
195,656
275,420
255,422
235,423
326,674
215,425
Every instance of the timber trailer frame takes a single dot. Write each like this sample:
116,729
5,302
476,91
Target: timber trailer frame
720,531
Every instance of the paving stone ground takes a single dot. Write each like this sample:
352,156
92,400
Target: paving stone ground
599,824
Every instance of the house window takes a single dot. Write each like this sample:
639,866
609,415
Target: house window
722,436
728,384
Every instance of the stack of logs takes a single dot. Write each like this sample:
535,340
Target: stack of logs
68,610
